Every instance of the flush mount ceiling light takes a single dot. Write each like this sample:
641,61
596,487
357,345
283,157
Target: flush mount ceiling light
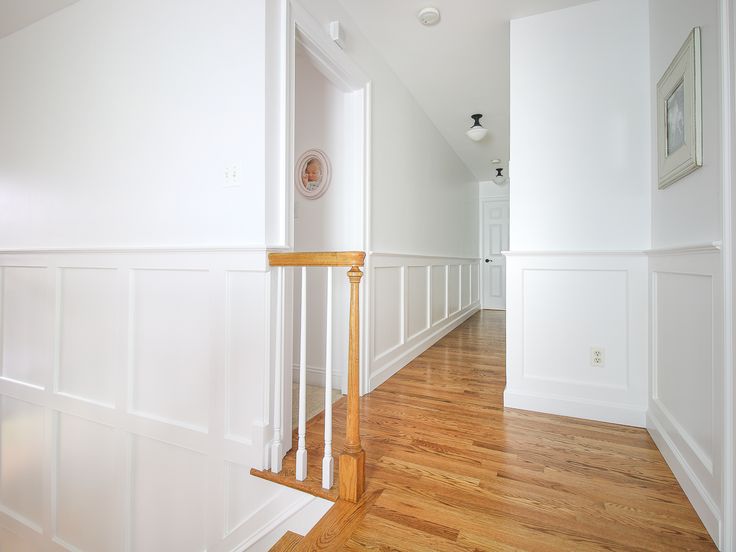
499,178
476,132
429,16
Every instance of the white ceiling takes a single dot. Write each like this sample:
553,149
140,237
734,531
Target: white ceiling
16,14
456,68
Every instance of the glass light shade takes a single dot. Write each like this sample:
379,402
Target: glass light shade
477,133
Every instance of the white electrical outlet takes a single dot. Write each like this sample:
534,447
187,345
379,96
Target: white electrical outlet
597,356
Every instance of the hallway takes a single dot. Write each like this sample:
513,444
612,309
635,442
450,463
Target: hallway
449,469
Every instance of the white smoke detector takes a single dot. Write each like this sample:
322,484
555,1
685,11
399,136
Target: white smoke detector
429,16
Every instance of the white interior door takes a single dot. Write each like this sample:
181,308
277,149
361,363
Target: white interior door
495,221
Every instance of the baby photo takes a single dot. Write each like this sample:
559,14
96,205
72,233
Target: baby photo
312,174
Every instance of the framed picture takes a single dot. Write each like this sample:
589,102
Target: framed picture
312,173
679,114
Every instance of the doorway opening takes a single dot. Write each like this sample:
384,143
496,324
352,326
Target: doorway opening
328,121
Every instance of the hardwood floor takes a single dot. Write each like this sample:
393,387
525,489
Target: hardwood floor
449,468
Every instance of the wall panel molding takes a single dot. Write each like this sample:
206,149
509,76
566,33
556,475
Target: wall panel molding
88,331
441,292
686,313
560,306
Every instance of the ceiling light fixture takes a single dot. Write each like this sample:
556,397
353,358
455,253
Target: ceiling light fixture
499,178
429,16
476,132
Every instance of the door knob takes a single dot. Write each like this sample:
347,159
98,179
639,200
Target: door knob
489,261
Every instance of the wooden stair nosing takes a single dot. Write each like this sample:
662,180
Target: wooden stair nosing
288,479
290,541
338,524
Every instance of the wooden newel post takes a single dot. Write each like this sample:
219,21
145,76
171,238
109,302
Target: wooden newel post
352,460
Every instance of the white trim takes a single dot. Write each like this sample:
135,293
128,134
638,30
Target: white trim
316,376
130,250
703,457
597,253
279,511
674,250
686,249
696,493
728,84
415,256
575,407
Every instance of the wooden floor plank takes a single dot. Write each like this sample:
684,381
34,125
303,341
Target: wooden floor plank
450,468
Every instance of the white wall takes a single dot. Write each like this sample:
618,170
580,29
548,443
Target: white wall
424,199
119,120
580,128
580,161
689,212
134,362
687,373
488,189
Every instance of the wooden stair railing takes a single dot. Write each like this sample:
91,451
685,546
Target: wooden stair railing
352,459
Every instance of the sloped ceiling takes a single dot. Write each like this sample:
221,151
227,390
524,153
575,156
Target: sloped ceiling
16,14
456,68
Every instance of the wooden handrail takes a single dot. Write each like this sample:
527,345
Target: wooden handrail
322,258
352,460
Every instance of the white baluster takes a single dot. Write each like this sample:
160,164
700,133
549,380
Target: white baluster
301,453
328,464
276,453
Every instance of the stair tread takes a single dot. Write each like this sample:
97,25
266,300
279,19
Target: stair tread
337,525
290,541
315,451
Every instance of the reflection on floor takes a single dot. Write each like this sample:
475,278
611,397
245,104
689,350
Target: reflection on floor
449,468
315,401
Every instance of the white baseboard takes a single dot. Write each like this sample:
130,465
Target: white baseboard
292,511
614,413
696,493
417,345
316,376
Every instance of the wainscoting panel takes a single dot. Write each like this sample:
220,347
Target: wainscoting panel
418,307
27,324
171,345
560,306
685,414
437,294
438,299
86,494
474,283
453,289
465,286
21,461
566,308
246,358
158,470
91,325
389,308
134,386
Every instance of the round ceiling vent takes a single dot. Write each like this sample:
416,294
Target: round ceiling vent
429,16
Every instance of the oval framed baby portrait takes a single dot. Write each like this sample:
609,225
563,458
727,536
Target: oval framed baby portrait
312,173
